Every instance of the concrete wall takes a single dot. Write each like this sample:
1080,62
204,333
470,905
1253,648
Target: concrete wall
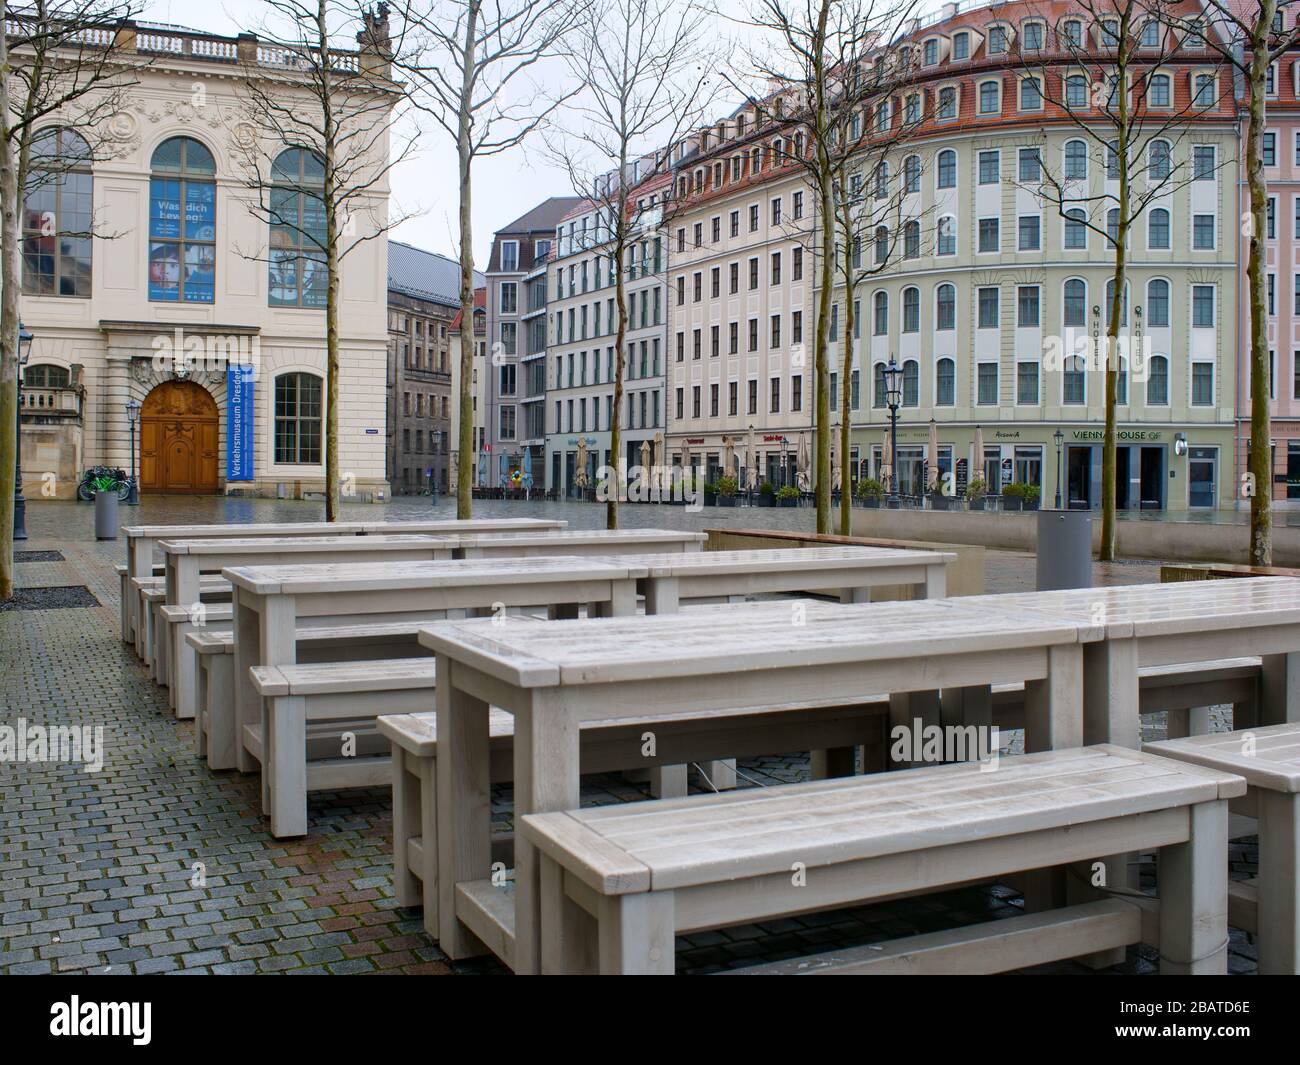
965,575
1165,540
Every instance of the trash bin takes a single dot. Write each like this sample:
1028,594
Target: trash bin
1064,550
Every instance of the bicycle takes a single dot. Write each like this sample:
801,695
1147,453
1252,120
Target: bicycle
86,489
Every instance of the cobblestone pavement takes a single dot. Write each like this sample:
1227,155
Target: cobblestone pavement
154,864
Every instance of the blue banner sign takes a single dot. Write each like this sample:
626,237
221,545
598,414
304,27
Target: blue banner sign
239,423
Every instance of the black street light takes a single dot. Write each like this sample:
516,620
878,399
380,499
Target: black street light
132,415
1058,438
894,399
20,501
785,461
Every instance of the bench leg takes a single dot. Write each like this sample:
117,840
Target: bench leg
1193,889
144,634
123,608
905,710
1187,721
200,715
835,762
428,777
637,934
1279,900
183,664
1279,689
406,816
668,781
562,612
569,934
721,773
219,712
284,765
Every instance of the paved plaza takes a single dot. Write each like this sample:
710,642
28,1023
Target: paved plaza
156,864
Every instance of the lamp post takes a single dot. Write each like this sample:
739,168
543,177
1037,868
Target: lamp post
20,501
1058,438
894,399
785,461
132,415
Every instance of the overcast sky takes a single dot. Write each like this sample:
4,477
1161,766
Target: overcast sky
424,183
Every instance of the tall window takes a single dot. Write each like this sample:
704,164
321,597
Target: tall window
1074,309
1158,382
911,310
947,169
945,383
1076,91
945,308
297,273
1076,230
1076,160
298,419
182,223
912,174
1158,229
1158,303
57,216
911,383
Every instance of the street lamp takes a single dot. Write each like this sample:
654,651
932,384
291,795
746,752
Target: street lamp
894,399
20,501
785,461
1058,438
132,415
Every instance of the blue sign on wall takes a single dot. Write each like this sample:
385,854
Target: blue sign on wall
239,423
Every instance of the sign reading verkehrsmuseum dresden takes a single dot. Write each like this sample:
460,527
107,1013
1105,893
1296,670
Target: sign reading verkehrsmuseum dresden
239,423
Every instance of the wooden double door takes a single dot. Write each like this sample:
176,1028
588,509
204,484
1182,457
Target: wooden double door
179,431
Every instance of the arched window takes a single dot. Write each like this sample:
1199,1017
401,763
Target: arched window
1076,231
1112,226
945,308
1158,160
1158,94
990,92
1075,303
912,240
47,375
1076,92
1158,382
945,383
946,234
912,174
882,244
1123,305
297,271
57,215
880,326
1074,384
1031,95
1076,160
182,223
878,386
298,419
1121,382
1158,303
882,180
1158,229
911,383
911,310
947,169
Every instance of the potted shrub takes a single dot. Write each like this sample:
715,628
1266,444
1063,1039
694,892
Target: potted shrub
1030,494
726,488
976,490
788,496
105,490
1013,496
869,491
710,494
766,494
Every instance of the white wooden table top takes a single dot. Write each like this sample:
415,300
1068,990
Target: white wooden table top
678,843
324,528
1138,610
734,638
559,537
332,577
702,563
304,544
1268,757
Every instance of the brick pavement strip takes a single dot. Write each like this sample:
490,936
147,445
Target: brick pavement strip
155,864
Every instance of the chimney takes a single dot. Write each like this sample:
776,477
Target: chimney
375,44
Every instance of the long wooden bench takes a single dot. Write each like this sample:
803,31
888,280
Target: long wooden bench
606,746
151,593
123,588
217,617
619,883
1269,759
215,733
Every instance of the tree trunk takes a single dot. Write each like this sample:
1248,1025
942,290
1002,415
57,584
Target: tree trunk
1260,484
825,191
846,378
464,154
8,326
620,335
332,235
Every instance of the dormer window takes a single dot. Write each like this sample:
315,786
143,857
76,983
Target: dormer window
997,40
1151,33
740,125
947,109
1031,37
1072,33
961,45
1110,32
930,52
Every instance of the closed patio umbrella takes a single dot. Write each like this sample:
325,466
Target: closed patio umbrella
580,464
528,469
751,462
886,457
729,456
932,458
977,466
645,454
803,462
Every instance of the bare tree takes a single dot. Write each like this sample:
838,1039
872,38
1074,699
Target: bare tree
644,69
1110,78
472,75
1248,36
814,52
60,62
340,110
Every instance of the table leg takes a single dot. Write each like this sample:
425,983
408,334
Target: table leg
546,780
662,595
569,934
278,647
1279,859
139,563
247,653
936,581
636,934
219,712
182,590
406,819
562,611
464,805
1279,689
1054,705
621,602
284,765
911,711
1192,882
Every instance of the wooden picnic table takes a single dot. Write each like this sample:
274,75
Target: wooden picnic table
187,559
142,539
270,603
553,676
